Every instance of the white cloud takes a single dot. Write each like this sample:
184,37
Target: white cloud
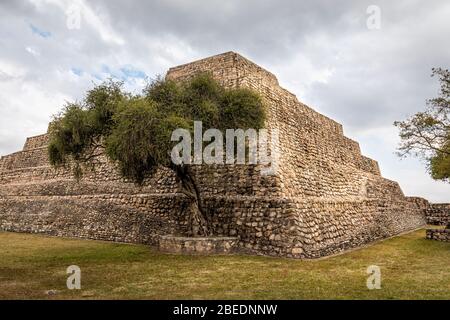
33,51
96,20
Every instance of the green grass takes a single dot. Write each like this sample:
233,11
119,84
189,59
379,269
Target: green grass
30,265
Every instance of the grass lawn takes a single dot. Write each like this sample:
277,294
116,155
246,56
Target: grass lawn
31,265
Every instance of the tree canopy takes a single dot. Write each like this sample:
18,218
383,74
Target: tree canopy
135,131
427,134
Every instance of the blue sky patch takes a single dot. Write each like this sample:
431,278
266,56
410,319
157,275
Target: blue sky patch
40,32
105,69
77,71
131,72
124,73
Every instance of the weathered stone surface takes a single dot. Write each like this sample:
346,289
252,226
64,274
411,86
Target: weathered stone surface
325,198
439,234
438,214
189,245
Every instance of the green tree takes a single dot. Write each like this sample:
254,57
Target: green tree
427,134
135,131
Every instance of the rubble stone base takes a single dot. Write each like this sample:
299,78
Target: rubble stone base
197,245
439,234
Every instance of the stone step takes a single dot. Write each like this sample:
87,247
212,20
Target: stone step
29,158
198,245
36,142
58,187
121,218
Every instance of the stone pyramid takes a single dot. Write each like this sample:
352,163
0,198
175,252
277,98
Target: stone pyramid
326,196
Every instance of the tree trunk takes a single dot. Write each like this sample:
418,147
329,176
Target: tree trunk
197,220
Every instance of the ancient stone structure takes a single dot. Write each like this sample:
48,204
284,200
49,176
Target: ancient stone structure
438,214
326,197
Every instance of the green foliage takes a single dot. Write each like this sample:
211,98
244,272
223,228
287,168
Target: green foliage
440,164
103,102
141,138
136,131
77,132
70,134
167,94
201,88
242,109
427,134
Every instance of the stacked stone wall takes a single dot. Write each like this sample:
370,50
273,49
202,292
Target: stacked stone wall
438,214
26,159
113,217
439,234
36,142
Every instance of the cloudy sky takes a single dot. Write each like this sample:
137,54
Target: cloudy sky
323,51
